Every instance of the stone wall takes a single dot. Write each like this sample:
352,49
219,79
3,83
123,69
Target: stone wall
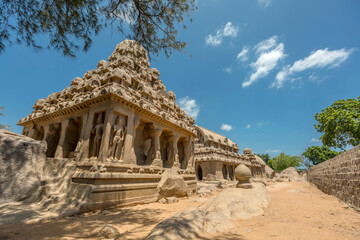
339,176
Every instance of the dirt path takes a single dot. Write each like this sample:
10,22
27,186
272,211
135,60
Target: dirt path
297,211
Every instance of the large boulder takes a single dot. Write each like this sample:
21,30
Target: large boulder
172,184
22,161
215,215
270,173
291,173
186,224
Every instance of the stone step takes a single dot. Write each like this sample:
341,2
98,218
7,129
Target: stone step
122,187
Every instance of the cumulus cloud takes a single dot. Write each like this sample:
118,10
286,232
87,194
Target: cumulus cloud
243,55
229,30
264,3
226,127
273,151
270,53
321,58
190,107
315,140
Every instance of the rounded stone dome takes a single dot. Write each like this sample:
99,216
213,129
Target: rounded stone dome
242,172
247,151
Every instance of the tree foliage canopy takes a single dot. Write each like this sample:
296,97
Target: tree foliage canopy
284,161
317,154
340,124
71,23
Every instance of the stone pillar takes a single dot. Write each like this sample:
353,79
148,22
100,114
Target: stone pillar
81,149
175,156
129,152
218,170
190,153
104,147
157,161
59,150
85,135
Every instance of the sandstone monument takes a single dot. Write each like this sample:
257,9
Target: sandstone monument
120,125
217,157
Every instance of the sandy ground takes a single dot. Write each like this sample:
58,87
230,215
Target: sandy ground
297,210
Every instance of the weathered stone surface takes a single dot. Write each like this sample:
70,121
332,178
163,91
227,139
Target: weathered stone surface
339,176
270,173
186,224
291,173
172,184
211,177
214,215
109,232
170,200
21,166
204,192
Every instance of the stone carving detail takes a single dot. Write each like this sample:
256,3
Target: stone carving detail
96,135
118,137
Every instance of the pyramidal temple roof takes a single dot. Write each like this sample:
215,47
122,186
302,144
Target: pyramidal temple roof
128,78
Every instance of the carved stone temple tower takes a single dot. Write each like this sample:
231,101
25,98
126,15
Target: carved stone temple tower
120,126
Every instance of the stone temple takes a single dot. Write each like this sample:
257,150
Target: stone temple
124,129
216,157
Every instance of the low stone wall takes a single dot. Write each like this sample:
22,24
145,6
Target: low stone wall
339,176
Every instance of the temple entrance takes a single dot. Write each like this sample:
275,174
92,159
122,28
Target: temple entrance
199,173
144,144
52,139
72,136
225,172
166,149
181,146
231,172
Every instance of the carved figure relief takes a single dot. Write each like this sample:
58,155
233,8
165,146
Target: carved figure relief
118,131
97,133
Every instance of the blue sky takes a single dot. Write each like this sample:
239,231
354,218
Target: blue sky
259,71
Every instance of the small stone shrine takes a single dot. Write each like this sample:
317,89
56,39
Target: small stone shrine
216,155
121,127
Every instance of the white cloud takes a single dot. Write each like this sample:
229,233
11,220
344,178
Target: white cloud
315,140
226,127
273,151
266,44
248,126
264,3
243,55
270,54
319,59
229,30
189,106
228,70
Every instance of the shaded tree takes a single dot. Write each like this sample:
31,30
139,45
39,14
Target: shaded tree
340,123
317,154
284,161
71,23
